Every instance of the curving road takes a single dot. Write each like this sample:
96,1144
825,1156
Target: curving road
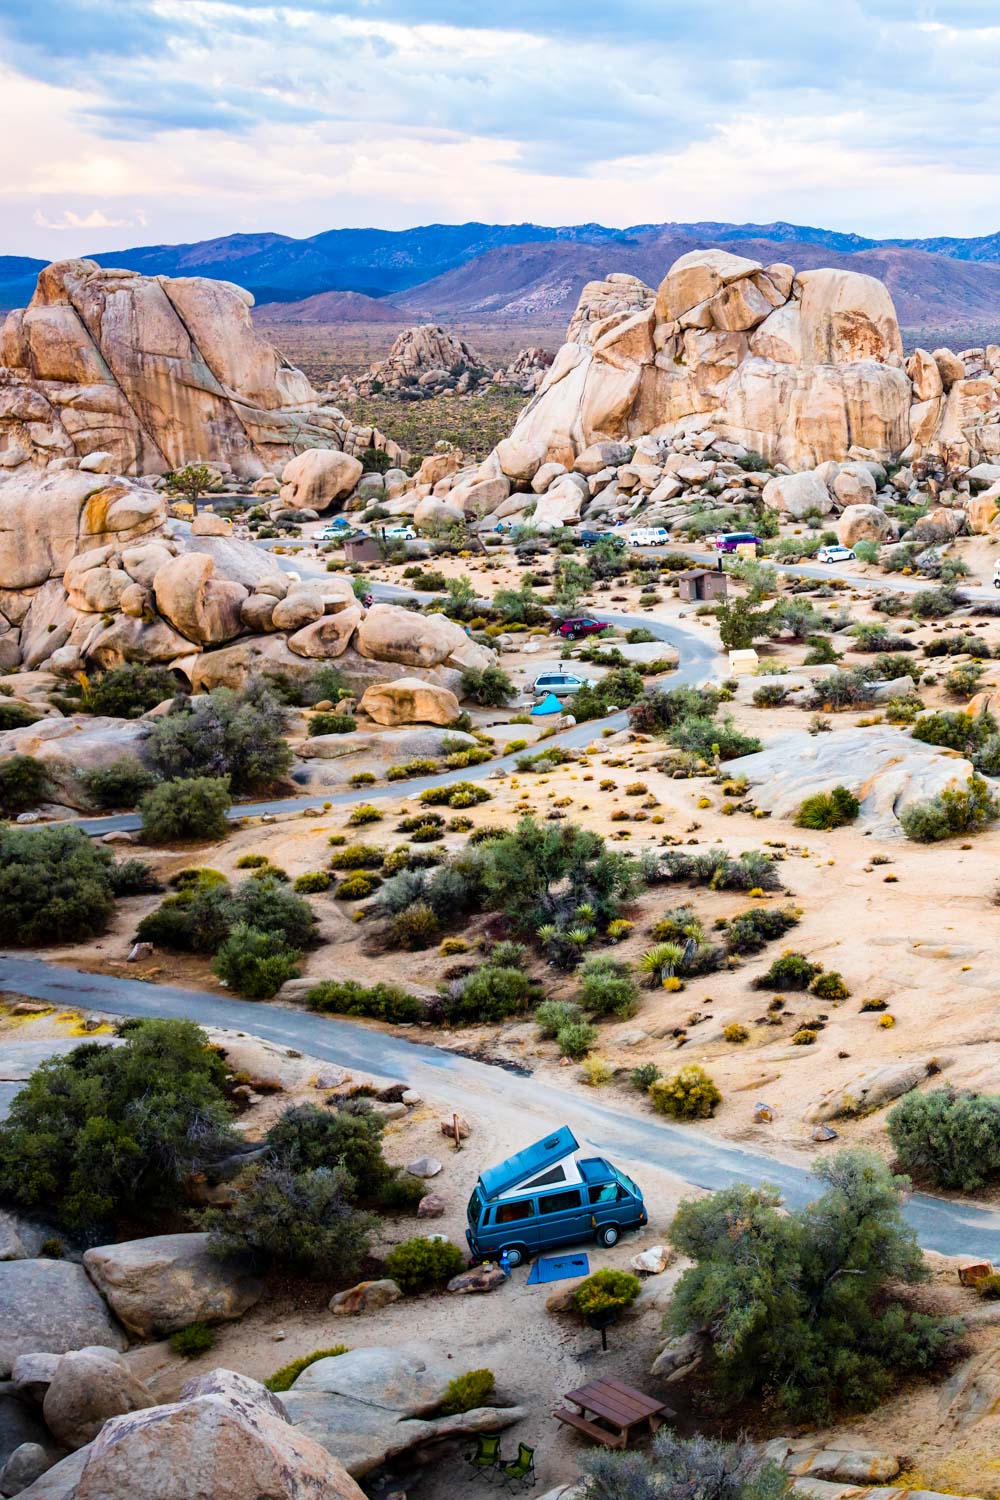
465,1084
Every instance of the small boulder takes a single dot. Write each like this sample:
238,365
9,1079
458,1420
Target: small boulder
409,700
478,1279
652,1262
206,523
431,1207
424,1166
296,610
798,495
163,1283
50,1306
367,1296
318,477
28,1462
85,1392
864,523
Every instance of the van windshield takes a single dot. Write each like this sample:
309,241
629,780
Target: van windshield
475,1208
627,1182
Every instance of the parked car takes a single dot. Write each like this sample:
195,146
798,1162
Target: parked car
339,531
588,538
545,1196
728,541
579,625
561,684
649,536
399,533
833,554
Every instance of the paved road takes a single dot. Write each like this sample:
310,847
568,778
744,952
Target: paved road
698,662
466,1084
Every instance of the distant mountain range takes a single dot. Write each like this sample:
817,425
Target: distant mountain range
525,271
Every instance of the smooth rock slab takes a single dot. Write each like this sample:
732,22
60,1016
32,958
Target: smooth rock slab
49,1307
163,1283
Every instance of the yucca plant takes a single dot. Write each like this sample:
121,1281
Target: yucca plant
661,962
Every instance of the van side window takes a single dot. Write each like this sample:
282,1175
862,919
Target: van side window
557,1203
606,1193
507,1213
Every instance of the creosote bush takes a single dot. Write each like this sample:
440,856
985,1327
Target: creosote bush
689,1094
192,809
420,1264
696,1468
381,1002
956,810
607,1290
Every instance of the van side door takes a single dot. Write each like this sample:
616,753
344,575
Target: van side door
563,1218
610,1203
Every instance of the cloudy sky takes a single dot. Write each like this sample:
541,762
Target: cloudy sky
128,122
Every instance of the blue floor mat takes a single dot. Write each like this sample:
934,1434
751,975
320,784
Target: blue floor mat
558,1268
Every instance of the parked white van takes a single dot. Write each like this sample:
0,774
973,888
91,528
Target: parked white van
649,536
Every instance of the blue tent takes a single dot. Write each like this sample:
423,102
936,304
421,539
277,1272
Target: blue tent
549,705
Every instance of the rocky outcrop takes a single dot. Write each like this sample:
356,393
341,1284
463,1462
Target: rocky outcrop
408,700
163,1283
871,1091
800,368
526,370
224,1436
424,361
318,477
50,1306
369,1405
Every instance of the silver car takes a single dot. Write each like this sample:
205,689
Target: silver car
561,684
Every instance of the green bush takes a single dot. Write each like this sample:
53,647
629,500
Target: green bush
179,810
121,784
24,783
300,1221
312,882
490,688
948,1139
239,736
329,723
15,715
644,1076
410,769
689,1094
129,691
196,1338
108,1133
381,1002
255,964
934,604
576,1039
458,794
419,1264
134,877
947,727
307,1137
752,930
415,928
204,912
792,971
357,857
357,886
828,809
489,994
608,988
802,1307
285,1378
676,1466
955,810
830,986
552,1015
752,870
605,1291
770,695
467,1392
365,812
56,886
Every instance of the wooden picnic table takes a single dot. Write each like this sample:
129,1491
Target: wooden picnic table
618,1412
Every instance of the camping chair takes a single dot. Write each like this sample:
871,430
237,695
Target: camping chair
520,1470
487,1457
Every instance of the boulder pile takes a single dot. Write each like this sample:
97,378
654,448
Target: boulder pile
424,361
142,374
526,370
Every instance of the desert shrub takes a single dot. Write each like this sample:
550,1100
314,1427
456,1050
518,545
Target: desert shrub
934,604
947,1138
607,988
365,812
540,874
490,688
56,886
121,784
946,727
616,689
357,857
607,1290
129,691
381,1002
711,738
787,1325
821,652
662,708
420,1264
415,928
24,783
467,1392
753,930
830,986
223,734
490,993
508,955
307,1137
115,1132
828,809
752,870
357,886
255,964
311,882
879,638
770,695
411,768
576,1038
285,1378
15,715
133,877
955,810
644,1076
196,1338
596,1070
962,682
792,971
735,1032
331,723
988,1287
701,1468
301,1221
194,809
853,689
458,794
552,1015
205,911
689,1094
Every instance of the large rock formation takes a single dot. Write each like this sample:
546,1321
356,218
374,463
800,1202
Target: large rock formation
167,1281
800,368
50,1306
424,361
152,372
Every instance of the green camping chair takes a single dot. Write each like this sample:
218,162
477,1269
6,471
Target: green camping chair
520,1470
487,1457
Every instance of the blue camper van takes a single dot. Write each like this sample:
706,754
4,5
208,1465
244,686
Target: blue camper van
545,1196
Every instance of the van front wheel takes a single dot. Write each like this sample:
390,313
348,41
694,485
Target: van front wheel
609,1235
516,1255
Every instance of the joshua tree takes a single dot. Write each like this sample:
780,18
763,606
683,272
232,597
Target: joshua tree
192,481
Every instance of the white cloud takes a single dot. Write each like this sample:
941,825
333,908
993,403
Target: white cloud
95,219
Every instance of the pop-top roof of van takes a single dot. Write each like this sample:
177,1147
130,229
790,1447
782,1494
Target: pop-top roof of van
524,1164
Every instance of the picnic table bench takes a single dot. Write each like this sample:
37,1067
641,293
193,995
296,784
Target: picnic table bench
619,1412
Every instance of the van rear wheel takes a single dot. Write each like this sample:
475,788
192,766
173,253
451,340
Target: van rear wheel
609,1235
516,1254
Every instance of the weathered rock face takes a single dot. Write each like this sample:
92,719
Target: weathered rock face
46,520
408,700
152,373
160,1284
318,477
85,1392
390,633
424,361
801,368
526,370
866,523
225,1436
50,1306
